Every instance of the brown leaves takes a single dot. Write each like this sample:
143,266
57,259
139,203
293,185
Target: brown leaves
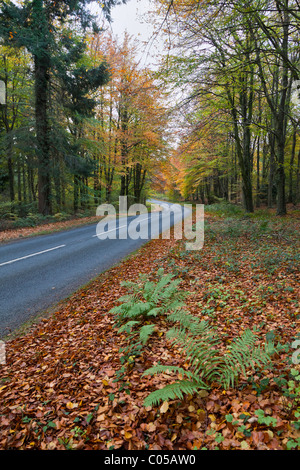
57,389
164,407
11,234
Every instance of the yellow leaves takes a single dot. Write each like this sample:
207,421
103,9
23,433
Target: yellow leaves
203,393
51,446
201,415
245,445
71,405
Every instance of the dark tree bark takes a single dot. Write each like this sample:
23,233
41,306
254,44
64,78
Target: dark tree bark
41,75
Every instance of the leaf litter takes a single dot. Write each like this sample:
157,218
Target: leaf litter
58,388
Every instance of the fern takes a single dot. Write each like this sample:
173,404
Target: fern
160,368
201,350
144,299
196,340
171,391
241,355
127,327
145,333
207,364
148,298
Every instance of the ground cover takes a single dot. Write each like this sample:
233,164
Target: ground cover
60,387
45,228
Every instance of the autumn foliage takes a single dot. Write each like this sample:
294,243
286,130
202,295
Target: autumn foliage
59,388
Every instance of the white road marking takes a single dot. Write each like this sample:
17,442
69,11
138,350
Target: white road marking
115,229
61,246
32,254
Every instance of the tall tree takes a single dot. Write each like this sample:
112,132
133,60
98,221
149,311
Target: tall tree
132,120
246,55
14,71
35,24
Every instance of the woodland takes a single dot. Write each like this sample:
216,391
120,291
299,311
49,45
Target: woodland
172,349
84,122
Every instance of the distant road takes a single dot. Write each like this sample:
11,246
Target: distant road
38,272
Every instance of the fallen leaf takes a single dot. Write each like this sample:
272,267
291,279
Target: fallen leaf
71,405
151,427
164,407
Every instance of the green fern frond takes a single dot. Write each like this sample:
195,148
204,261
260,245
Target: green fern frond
160,368
171,392
145,332
127,327
148,289
149,298
241,355
203,357
154,312
189,322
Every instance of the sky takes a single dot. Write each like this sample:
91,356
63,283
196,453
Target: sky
131,17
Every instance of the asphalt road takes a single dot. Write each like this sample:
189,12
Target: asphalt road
38,272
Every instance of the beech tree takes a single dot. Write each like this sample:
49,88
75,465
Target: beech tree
132,120
244,55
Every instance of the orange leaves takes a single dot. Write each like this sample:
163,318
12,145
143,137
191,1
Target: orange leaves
71,405
131,109
58,391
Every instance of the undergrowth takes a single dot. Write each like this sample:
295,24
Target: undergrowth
197,340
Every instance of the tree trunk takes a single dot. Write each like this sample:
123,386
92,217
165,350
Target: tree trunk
290,195
272,167
75,194
41,75
258,174
19,180
297,190
10,173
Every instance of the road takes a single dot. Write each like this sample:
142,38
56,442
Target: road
38,272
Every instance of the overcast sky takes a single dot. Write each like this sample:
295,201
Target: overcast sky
131,17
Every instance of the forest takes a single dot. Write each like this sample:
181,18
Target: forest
238,63
155,347
83,122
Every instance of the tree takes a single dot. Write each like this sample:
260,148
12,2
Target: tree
279,33
132,120
35,24
79,85
14,70
245,55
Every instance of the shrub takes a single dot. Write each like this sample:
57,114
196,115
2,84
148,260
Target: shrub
225,209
